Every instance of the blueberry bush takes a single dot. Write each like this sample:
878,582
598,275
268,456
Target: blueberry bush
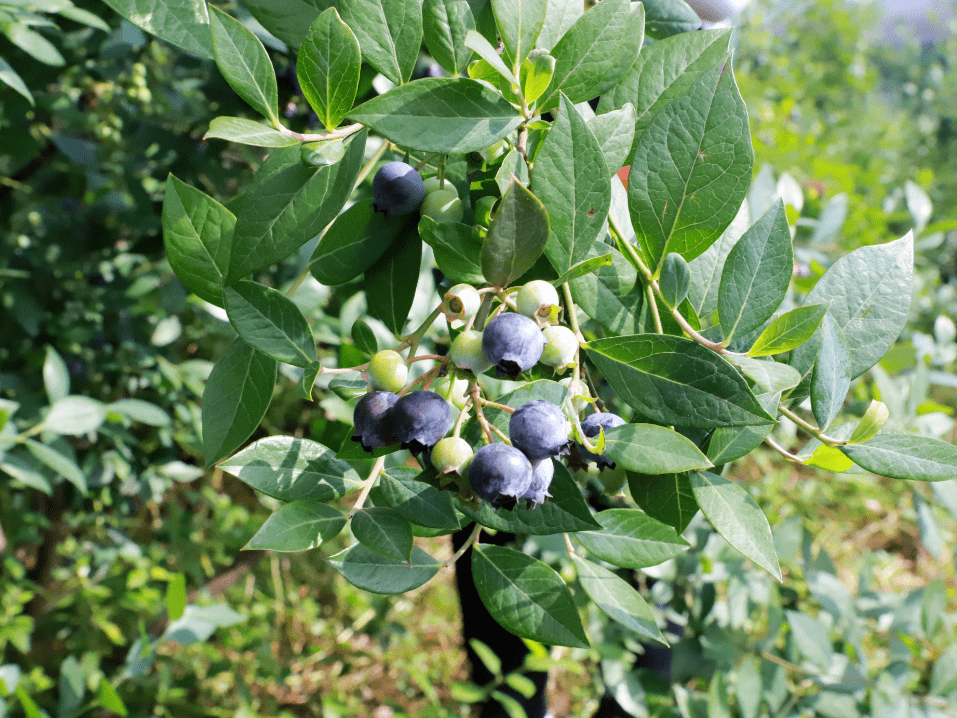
544,234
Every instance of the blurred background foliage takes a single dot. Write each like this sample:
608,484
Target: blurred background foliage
122,585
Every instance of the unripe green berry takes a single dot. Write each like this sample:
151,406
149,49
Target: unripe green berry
443,205
451,455
467,352
454,391
433,184
538,300
461,302
561,345
388,371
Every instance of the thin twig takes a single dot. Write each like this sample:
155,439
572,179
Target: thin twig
471,541
367,486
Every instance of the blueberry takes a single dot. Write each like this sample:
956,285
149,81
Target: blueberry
371,419
542,473
513,343
388,370
443,205
397,188
451,455
433,184
466,352
590,426
461,302
539,429
561,345
538,298
500,474
420,419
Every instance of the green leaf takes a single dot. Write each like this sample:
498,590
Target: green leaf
536,74
247,132
72,686
449,115
328,68
271,322
665,71
183,23
491,71
559,17
391,282
810,638
176,598
565,511
618,599
385,531
789,331
322,153
831,377
615,132
902,456
75,416
354,242
675,381
456,248
9,77
692,169
245,64
389,33
298,526
872,421
364,337
652,449
516,238
445,24
287,204
868,292
667,498
526,596
33,43
27,470
371,572
612,295
771,375
29,706
728,443
596,51
514,165
141,411
707,267
84,17
292,469
571,179
288,20
235,399
110,699
737,517
631,539
670,17
56,377
62,463
519,22
943,678
308,380
587,266
417,501
675,279
756,275
197,232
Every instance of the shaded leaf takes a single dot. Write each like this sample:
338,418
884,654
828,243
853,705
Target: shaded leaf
389,33
385,531
183,23
618,599
517,237
391,282
668,498
371,572
271,322
298,526
245,64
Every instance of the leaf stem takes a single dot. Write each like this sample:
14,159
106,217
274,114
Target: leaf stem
367,486
483,311
781,450
568,545
336,134
416,337
479,414
649,292
343,370
810,428
496,405
471,541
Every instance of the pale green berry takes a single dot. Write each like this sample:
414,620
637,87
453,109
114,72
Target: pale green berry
461,302
561,345
433,184
454,391
466,352
443,205
451,455
388,371
539,300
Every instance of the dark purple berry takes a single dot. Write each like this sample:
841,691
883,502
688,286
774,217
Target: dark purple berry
420,419
513,343
373,427
539,429
590,426
397,188
542,473
500,474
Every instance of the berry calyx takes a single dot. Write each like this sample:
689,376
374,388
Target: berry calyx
513,343
500,474
461,302
397,189
388,370
539,429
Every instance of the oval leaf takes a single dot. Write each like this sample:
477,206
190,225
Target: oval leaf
271,322
248,132
901,456
377,574
328,68
831,377
445,24
385,531
391,282
613,595
389,32
298,526
631,539
517,236
245,64
653,449
789,331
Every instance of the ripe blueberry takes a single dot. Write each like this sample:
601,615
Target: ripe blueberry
372,420
590,427
539,429
542,473
420,419
397,189
513,343
500,474
388,370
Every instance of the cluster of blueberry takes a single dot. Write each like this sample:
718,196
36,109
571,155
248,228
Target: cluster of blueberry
511,342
